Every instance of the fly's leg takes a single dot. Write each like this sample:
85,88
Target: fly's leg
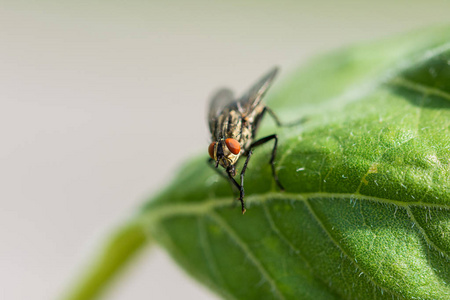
239,187
233,182
244,168
272,158
212,164
278,122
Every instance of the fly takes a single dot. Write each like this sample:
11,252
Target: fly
233,125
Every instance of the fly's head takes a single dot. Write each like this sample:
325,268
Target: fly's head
225,152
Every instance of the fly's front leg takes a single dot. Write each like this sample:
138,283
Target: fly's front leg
212,164
240,188
242,192
274,153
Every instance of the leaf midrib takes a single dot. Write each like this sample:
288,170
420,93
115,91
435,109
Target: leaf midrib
203,207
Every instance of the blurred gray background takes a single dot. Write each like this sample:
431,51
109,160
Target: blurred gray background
101,101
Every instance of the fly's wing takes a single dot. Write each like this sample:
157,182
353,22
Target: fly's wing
219,101
253,97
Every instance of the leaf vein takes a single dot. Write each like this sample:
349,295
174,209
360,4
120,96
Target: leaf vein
207,206
425,235
275,229
417,87
327,232
233,235
209,257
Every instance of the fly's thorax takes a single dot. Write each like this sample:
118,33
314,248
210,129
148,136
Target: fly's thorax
229,124
246,137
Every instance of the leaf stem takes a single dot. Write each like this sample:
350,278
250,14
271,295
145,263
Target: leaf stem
116,253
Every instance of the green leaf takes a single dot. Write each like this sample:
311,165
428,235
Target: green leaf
366,208
366,211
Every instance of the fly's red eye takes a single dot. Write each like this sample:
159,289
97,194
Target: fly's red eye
211,149
233,146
